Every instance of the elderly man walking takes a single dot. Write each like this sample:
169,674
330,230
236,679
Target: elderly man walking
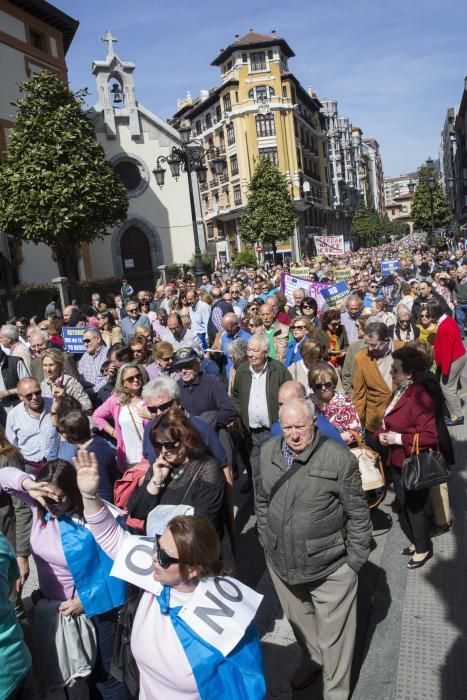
314,525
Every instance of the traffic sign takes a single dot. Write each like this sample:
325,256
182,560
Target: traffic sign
258,249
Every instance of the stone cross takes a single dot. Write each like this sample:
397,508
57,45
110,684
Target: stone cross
109,39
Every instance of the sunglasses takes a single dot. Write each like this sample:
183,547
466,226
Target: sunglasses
161,408
168,446
86,341
298,328
133,378
131,310
323,385
33,393
305,306
163,559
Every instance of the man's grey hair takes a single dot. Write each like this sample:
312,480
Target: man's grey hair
10,332
353,297
307,406
376,328
163,386
237,350
39,332
130,302
299,289
93,331
261,338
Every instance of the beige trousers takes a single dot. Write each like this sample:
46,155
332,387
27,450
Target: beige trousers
323,616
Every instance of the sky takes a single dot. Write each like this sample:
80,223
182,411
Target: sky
394,66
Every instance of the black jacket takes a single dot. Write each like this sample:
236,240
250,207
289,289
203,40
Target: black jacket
207,393
419,302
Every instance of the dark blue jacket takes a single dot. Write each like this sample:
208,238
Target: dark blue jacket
207,393
208,436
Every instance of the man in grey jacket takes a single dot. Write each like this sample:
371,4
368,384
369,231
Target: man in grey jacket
314,525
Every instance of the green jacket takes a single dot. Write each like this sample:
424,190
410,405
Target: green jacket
319,519
15,516
276,375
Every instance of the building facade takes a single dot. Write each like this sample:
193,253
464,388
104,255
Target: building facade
372,176
397,186
399,210
34,36
259,110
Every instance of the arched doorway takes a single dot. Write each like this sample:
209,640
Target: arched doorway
136,258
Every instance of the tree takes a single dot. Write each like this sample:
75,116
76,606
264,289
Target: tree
56,185
269,215
366,225
245,259
421,212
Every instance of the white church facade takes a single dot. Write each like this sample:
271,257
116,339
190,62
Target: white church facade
158,230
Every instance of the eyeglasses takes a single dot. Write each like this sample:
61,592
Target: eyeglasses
33,393
306,306
133,378
165,359
164,560
168,446
131,310
298,328
323,385
86,341
161,408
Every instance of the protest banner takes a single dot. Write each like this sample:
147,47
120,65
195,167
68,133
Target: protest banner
329,245
342,274
388,267
73,338
310,287
335,293
300,272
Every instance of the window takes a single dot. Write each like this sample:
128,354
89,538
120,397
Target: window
284,91
270,55
258,61
270,153
261,93
265,125
208,120
237,195
210,231
218,113
37,40
233,165
198,127
230,134
221,141
244,58
227,103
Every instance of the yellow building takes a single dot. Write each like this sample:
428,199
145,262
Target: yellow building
399,209
259,110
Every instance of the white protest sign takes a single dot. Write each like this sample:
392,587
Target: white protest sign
220,610
134,563
329,245
160,516
289,284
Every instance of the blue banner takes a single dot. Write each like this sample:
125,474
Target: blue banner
388,267
335,293
73,338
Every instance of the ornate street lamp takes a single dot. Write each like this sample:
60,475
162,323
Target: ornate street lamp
190,158
411,186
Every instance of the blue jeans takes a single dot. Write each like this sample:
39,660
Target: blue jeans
202,337
101,683
461,311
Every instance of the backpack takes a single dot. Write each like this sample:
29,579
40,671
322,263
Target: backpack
123,666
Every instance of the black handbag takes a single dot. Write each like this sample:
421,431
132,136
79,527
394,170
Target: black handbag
123,666
423,469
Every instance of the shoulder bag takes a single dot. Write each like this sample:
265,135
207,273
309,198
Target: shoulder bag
423,469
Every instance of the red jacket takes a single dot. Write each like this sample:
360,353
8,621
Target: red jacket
413,413
448,346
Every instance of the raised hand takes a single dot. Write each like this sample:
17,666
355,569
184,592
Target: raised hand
87,472
40,491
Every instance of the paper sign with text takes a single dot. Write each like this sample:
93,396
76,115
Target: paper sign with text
220,610
335,293
329,245
300,271
73,339
311,288
342,274
388,267
134,563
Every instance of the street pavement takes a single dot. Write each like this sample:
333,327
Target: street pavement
412,625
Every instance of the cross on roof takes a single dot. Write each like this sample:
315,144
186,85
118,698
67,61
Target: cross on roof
109,39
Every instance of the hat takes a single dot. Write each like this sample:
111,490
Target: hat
184,356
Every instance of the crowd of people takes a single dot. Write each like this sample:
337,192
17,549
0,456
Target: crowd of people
178,394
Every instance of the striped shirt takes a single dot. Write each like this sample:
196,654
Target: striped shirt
89,368
34,437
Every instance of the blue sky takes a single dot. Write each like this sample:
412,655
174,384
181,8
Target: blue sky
394,66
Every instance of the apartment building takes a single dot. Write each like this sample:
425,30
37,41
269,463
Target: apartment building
259,110
372,176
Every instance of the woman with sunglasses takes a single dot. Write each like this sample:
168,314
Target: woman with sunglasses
111,333
336,336
125,408
300,328
336,407
166,653
309,309
427,327
183,473
73,572
162,354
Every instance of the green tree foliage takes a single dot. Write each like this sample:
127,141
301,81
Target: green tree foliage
269,215
245,259
421,212
56,186
366,226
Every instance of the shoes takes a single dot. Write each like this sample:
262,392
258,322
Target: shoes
417,564
247,486
302,678
408,551
454,421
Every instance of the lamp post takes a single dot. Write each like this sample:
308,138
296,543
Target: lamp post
189,159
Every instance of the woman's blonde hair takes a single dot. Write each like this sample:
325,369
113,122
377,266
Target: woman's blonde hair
56,355
120,391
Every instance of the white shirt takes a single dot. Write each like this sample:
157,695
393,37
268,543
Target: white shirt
132,441
258,414
34,437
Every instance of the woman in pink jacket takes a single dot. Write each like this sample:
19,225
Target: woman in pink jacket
125,411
